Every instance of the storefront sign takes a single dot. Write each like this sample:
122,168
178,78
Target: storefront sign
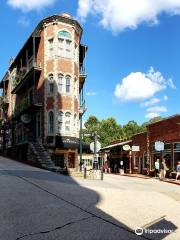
159,146
135,148
26,118
126,148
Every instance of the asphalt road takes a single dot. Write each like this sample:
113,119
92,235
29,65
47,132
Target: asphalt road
38,205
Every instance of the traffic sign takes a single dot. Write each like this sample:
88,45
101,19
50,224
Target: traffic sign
98,146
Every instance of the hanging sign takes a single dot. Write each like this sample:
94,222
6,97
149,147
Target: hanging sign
159,146
135,148
126,148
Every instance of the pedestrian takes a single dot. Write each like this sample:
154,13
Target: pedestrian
178,171
164,168
156,168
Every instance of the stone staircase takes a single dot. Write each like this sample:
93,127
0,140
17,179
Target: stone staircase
37,153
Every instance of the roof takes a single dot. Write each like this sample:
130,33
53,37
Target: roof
116,144
36,32
164,119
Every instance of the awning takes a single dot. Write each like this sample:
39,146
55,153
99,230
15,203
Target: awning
116,144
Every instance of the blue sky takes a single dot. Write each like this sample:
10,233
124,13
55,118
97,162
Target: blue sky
133,61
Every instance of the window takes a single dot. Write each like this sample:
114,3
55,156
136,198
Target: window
61,47
176,154
60,121
75,87
67,121
60,83
68,79
64,44
50,42
76,55
51,122
51,84
68,48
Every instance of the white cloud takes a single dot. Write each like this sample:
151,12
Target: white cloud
157,109
165,98
91,94
152,115
138,86
151,102
118,15
27,5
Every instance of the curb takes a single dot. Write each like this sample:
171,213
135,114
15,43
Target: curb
142,177
174,182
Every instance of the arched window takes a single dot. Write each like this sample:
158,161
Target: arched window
68,84
51,84
50,122
64,44
60,83
60,121
51,48
67,121
75,88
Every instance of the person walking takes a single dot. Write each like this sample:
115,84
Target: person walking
164,168
157,168
178,171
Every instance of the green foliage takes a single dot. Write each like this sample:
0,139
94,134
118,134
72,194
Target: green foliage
21,106
109,130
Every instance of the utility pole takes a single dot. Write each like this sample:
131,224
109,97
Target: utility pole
95,163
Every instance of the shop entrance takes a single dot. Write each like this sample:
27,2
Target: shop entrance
71,160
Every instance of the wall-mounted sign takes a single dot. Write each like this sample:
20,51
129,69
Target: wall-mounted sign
26,118
126,148
135,148
159,146
98,146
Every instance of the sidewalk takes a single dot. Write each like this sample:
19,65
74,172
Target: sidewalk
172,181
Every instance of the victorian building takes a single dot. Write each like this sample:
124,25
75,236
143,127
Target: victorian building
43,98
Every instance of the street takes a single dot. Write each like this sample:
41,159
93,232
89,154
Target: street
36,204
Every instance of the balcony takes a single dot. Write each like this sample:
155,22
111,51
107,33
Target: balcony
26,105
5,99
82,61
26,77
82,108
82,76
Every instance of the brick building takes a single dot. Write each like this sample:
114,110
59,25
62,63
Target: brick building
43,92
139,153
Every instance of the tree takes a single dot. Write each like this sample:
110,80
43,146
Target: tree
110,131
91,126
131,128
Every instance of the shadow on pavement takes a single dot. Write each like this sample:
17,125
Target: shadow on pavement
37,204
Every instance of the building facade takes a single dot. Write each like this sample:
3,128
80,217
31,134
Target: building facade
138,154
44,89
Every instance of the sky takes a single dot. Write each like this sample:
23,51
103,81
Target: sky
133,59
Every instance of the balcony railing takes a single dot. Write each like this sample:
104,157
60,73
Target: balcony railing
82,69
22,73
82,108
25,104
5,99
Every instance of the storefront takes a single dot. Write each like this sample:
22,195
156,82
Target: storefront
139,154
